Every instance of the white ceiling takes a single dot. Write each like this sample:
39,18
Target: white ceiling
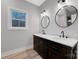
36,2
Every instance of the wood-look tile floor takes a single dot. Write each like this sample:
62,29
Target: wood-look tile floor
28,54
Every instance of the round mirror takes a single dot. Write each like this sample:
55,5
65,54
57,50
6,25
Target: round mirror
66,16
45,21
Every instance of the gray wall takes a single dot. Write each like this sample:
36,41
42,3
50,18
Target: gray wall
51,7
14,39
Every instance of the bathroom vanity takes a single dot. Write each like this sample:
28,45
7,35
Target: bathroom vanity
51,47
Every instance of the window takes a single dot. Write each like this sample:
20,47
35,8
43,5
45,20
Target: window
17,18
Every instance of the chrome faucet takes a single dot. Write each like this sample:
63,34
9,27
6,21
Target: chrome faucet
43,32
62,32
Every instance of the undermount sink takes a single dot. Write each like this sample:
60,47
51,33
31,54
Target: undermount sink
65,41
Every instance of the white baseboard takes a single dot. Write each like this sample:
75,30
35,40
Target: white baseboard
3,54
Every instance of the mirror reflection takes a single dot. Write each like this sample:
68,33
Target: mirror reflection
66,16
45,21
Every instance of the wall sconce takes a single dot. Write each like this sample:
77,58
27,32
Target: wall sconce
61,3
43,13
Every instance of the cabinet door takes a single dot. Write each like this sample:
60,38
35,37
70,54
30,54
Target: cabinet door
40,46
54,54
36,44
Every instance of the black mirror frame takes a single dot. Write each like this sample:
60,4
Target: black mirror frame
74,20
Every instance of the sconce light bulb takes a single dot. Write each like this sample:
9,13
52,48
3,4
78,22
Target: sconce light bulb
59,5
66,1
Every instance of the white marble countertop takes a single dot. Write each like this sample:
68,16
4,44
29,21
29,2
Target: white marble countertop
65,41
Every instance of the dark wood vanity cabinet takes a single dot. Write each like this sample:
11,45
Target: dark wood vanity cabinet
52,50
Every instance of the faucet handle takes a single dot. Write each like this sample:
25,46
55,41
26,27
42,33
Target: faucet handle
66,36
